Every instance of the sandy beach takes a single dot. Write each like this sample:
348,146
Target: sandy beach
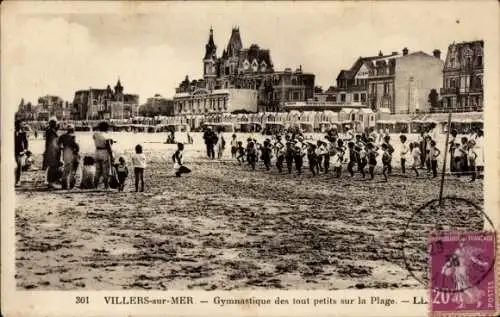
226,227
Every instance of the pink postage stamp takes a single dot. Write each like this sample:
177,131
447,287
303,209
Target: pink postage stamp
462,273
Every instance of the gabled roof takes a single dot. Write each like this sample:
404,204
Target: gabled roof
367,61
345,74
254,52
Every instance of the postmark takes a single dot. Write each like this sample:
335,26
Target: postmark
455,214
462,271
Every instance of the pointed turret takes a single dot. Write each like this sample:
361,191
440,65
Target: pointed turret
235,45
118,87
210,47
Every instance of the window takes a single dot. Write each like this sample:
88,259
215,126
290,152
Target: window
479,60
356,97
254,65
363,97
342,97
386,88
452,83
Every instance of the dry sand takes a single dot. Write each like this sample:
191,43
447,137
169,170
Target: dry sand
225,227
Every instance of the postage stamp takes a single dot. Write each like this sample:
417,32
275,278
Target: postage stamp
462,272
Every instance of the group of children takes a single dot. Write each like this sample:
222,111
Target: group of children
466,155
119,172
358,150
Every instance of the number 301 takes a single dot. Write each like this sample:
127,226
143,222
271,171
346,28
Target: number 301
82,299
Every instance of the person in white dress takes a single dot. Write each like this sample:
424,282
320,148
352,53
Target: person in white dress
221,145
404,153
479,150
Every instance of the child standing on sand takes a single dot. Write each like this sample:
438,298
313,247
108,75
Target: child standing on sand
337,164
240,150
221,146
416,156
353,159
372,159
472,156
362,160
289,156
122,171
234,146
88,173
139,162
403,153
280,154
251,154
312,158
266,153
433,155
299,157
386,160
179,168
390,149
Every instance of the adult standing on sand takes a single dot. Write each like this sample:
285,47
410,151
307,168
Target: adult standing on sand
221,145
103,154
70,149
21,146
210,139
52,154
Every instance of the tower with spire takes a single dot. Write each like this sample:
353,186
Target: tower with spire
209,60
118,91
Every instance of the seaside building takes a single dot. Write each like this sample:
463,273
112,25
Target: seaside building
241,79
157,106
96,104
463,77
398,82
51,106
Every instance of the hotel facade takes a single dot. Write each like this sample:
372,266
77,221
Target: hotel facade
98,104
463,77
240,80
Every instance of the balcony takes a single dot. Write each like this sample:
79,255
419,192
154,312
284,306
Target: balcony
448,91
460,91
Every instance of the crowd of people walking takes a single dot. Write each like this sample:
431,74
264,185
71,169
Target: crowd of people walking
361,153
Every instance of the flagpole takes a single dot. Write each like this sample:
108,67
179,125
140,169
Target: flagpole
444,162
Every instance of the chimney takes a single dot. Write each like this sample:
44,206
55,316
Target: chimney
405,51
394,53
436,53
380,53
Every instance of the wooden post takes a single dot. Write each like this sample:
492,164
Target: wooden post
445,158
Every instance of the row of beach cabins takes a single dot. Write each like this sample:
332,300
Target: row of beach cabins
275,122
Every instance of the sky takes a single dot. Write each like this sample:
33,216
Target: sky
58,48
